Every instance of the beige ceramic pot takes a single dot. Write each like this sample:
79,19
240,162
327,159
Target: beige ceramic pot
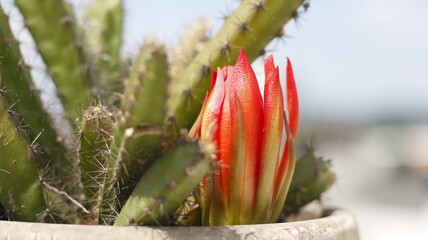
336,225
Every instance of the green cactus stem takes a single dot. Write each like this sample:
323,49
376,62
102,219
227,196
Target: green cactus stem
143,108
192,41
95,138
312,177
20,191
252,26
103,21
167,184
140,127
21,92
54,30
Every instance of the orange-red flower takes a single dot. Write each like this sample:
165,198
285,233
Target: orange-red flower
255,142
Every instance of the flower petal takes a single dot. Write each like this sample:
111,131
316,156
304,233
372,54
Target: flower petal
284,173
288,166
225,146
292,100
269,67
237,181
273,121
246,89
212,108
213,79
195,131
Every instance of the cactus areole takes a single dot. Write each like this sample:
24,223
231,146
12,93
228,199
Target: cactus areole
255,143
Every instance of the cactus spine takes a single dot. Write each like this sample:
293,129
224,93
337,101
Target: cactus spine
252,26
20,191
54,30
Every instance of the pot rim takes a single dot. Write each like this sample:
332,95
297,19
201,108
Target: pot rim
337,224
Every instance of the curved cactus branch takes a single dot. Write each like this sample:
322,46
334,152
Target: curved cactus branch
252,26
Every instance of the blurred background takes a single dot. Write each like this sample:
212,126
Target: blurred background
362,75
361,69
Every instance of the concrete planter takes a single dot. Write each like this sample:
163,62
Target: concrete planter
337,225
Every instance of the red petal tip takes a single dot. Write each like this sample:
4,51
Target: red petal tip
292,100
242,56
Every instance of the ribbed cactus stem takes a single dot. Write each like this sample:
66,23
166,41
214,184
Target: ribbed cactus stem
192,41
143,108
312,177
167,184
103,22
137,139
21,92
20,191
53,27
252,26
95,138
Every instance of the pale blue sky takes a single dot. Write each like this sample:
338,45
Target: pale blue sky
353,59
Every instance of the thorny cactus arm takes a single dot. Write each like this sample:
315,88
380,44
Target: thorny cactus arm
21,93
103,22
192,41
137,139
95,138
20,191
54,30
167,183
252,26
312,177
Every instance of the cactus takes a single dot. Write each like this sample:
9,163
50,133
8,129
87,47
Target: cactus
312,177
138,164
252,26
103,24
166,184
95,138
20,191
21,92
104,34
193,40
54,29
140,126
